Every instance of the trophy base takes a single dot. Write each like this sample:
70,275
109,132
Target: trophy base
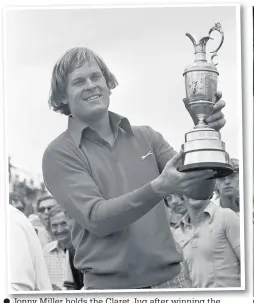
220,169
203,149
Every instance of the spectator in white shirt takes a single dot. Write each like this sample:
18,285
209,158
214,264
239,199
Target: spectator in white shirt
28,270
60,252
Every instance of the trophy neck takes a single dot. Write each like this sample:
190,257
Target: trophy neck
199,48
202,125
200,57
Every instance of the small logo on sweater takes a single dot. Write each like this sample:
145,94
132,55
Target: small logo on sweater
145,156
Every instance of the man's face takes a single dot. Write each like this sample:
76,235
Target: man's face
228,186
175,202
19,205
87,93
44,208
59,226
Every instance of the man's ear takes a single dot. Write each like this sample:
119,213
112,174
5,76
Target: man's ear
65,101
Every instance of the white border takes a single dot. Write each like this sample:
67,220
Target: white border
239,90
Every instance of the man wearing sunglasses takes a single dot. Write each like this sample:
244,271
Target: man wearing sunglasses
43,207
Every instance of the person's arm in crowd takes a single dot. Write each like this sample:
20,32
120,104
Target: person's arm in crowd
232,230
21,280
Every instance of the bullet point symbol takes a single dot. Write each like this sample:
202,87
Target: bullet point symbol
6,300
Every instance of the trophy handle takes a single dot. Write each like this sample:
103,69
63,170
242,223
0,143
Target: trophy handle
214,55
217,27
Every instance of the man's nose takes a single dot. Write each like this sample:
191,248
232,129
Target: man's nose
59,229
177,201
227,180
89,84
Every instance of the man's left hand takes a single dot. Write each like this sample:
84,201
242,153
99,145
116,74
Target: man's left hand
216,120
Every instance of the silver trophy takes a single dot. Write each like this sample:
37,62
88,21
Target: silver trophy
203,148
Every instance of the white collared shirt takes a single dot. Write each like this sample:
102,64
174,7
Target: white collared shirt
211,248
57,261
28,270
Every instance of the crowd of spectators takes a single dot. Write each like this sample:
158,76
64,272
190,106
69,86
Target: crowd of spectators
207,233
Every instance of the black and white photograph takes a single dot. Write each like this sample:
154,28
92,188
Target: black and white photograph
124,142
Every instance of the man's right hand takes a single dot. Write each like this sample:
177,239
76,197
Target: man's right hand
171,181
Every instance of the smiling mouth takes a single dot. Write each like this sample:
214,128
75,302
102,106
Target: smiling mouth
92,98
62,235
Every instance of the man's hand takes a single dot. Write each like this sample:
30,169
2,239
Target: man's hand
171,181
216,120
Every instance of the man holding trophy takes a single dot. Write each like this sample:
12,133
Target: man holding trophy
112,177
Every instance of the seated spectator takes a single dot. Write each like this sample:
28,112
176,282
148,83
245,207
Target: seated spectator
59,253
44,205
228,188
210,239
17,201
28,270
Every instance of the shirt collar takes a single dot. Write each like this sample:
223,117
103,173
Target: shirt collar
184,221
77,127
52,246
210,210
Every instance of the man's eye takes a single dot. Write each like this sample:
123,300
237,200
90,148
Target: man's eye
96,76
78,82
